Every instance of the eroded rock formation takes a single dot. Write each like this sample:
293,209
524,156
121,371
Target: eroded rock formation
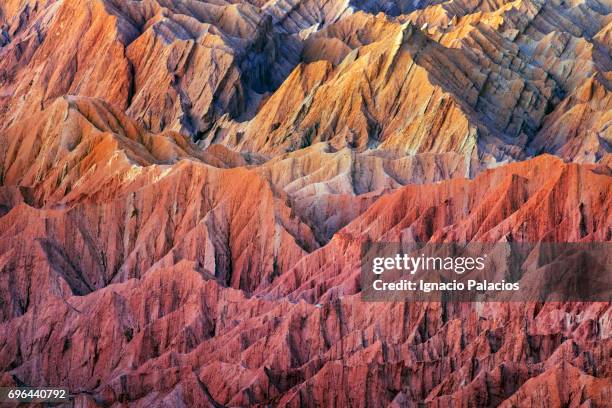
186,188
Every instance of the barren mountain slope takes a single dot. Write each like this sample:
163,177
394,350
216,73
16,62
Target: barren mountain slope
175,331
186,188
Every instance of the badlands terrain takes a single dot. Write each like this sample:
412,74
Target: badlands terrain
186,187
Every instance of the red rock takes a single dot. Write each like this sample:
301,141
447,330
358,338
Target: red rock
138,268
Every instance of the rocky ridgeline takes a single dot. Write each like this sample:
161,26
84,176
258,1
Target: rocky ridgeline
139,269
144,57
185,188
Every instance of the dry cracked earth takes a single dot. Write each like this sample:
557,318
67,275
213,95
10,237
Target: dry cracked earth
185,187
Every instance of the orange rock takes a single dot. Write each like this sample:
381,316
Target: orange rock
140,268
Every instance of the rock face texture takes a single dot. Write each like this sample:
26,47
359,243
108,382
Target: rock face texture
186,187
